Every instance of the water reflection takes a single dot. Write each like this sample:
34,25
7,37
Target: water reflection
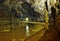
27,30
20,31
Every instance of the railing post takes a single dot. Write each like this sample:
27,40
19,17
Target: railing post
46,20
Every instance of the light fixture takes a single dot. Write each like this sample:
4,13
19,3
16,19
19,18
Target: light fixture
27,19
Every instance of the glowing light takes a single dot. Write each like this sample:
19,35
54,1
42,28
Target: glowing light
26,19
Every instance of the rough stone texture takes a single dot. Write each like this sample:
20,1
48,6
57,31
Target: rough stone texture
50,35
54,33
58,22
